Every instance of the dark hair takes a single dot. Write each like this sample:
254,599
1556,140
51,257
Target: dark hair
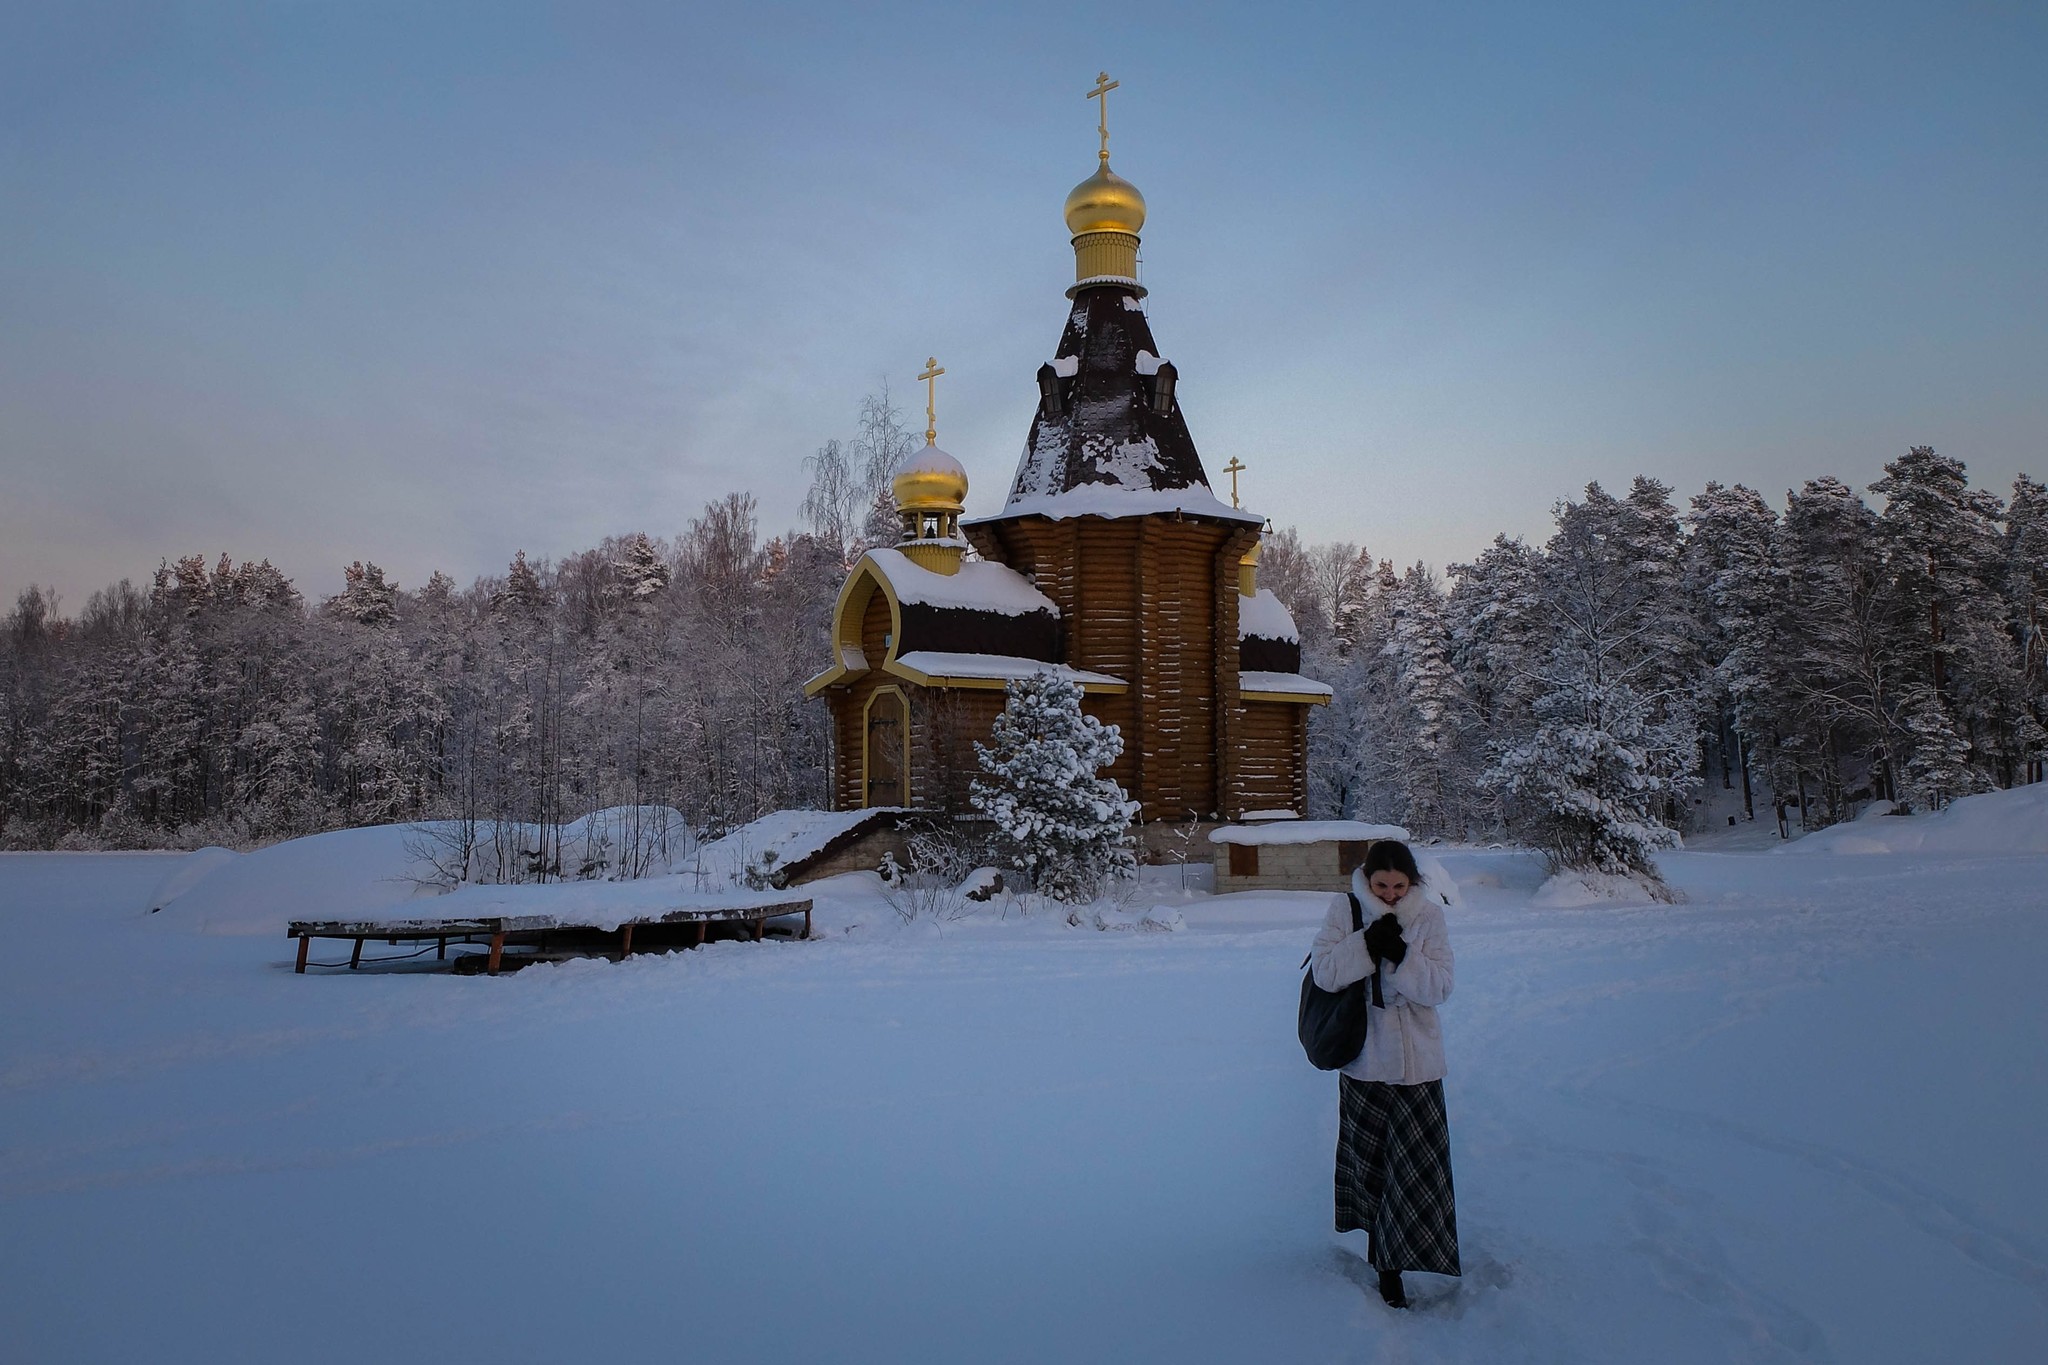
1391,855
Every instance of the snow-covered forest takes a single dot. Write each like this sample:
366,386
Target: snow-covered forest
1577,695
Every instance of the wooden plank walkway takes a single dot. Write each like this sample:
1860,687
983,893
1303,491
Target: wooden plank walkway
518,930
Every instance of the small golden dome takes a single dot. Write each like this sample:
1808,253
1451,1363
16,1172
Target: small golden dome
932,481
1105,202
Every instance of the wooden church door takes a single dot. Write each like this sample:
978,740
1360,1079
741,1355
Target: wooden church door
888,749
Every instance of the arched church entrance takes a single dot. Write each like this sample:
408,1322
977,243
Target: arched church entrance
886,759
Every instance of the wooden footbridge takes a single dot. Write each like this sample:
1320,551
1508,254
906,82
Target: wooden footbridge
549,938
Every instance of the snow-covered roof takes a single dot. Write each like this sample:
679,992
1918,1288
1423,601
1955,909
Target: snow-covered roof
1305,832
1267,617
791,836
1111,500
1292,684
934,663
980,585
1110,426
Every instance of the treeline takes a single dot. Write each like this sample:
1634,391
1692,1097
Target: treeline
1581,694
216,706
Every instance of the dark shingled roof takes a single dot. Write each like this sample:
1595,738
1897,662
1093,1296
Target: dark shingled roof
1258,654
1106,429
960,630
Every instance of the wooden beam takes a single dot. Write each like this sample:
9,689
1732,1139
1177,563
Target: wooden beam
497,952
305,942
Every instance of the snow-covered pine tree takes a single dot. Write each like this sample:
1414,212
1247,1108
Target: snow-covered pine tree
1592,778
1058,820
640,568
2026,596
1428,728
1612,754
1735,587
1672,647
1937,764
365,597
1498,639
1844,680
1941,543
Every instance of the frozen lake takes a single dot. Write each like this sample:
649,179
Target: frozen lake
1798,1118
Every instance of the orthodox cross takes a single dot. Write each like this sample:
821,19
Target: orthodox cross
1233,469
1103,85
932,371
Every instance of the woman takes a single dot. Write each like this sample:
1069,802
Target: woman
1393,1140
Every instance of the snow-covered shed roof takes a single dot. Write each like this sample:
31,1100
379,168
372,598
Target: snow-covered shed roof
1305,832
1263,685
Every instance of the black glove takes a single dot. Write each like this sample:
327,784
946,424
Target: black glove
1383,939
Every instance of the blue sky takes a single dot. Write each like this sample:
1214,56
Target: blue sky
427,284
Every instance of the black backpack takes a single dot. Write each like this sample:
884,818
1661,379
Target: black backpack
1332,1024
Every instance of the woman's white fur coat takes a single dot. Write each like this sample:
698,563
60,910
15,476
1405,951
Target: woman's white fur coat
1404,1044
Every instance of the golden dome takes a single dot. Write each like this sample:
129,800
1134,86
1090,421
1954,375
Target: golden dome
933,481
1105,202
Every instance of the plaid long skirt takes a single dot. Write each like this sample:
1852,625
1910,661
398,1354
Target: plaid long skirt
1394,1174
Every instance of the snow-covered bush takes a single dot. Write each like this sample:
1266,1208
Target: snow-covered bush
935,886
1592,778
1057,821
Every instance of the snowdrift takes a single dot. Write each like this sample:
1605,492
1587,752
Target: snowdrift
366,872
2013,821
343,874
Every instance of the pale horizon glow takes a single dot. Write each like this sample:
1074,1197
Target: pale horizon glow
318,284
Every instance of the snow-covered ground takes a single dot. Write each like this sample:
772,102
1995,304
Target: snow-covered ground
1798,1117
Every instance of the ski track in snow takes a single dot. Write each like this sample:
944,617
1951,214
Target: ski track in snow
1791,1119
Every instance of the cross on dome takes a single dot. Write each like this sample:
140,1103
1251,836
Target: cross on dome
1103,85
932,371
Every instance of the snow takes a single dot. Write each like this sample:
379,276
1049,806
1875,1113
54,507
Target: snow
190,870
1266,616
1305,832
343,874
592,904
980,585
2013,821
1691,1133
381,871
1147,362
945,664
932,460
1132,304
1253,680
1109,500
1126,464
1066,366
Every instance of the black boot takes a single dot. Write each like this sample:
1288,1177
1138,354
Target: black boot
1391,1290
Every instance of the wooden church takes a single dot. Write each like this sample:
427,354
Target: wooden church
1111,562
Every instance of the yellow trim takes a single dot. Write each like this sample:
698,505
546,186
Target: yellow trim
847,613
923,679
866,720
1298,698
